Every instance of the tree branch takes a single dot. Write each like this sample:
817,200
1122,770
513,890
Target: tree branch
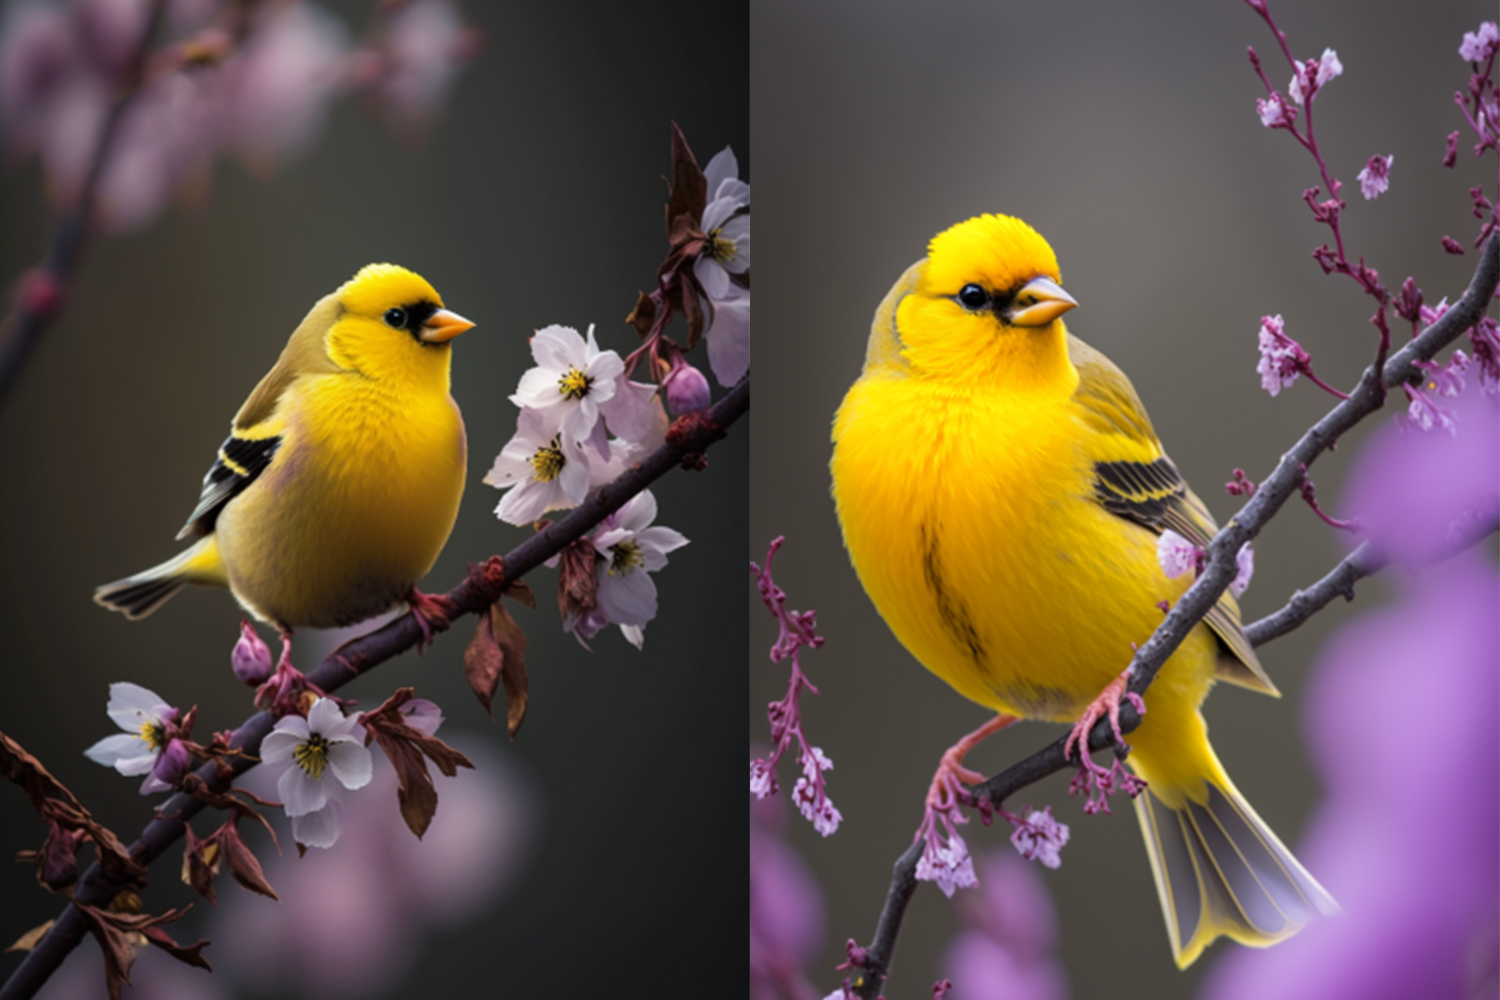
1269,497
476,592
35,307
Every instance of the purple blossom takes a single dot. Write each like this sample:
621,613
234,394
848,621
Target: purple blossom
1244,562
787,911
251,658
1273,111
1310,76
1424,414
1040,837
1431,314
1479,45
1282,359
1176,554
148,723
945,858
1007,947
1484,337
797,629
1375,178
686,389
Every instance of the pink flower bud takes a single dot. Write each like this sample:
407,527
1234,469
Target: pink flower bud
686,389
1452,246
251,658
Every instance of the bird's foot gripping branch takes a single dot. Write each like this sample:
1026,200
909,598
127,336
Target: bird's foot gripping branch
590,441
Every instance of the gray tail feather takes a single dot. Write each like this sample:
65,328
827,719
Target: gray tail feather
1220,870
137,596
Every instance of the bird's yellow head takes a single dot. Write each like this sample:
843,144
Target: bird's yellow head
985,306
392,327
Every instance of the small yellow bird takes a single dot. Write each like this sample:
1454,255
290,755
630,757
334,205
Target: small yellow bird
1001,493
340,479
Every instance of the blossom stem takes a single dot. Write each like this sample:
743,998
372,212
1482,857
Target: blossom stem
1323,385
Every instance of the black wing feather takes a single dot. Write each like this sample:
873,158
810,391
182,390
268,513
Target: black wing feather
240,463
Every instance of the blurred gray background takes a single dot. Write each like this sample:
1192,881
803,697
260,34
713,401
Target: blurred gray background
538,200
1127,135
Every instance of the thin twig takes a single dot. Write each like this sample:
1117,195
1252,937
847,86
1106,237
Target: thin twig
28,319
1184,616
473,594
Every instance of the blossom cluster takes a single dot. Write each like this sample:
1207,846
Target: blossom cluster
584,420
252,80
796,630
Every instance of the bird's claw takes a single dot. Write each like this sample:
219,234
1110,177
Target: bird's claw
1107,704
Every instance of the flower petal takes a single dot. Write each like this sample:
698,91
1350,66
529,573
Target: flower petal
324,716
320,828
628,599
299,793
110,750
131,705
713,278
350,763
279,743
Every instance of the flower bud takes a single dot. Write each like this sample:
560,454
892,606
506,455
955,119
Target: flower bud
686,389
251,658
170,768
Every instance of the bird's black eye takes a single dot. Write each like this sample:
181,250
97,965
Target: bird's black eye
973,297
396,318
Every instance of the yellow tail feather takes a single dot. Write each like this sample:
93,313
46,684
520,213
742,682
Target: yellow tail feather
1220,870
137,596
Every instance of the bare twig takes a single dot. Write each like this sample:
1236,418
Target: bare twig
474,593
32,314
1184,616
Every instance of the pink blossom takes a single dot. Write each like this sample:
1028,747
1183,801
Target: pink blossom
1431,314
1453,246
1282,359
948,865
1450,155
1273,111
251,659
1486,343
762,778
1424,413
1007,949
1445,380
1312,75
1176,554
1478,45
1245,561
1375,178
811,796
280,88
1040,837
428,46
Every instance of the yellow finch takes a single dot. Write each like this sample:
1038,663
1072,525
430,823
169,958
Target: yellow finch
1001,493
341,476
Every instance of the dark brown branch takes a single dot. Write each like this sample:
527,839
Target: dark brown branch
474,593
1282,484
29,318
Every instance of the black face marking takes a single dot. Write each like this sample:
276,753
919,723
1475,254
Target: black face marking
411,317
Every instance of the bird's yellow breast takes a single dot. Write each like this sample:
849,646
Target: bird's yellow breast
355,507
968,515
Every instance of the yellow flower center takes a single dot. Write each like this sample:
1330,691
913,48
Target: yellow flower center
574,384
154,733
720,248
312,756
548,461
627,557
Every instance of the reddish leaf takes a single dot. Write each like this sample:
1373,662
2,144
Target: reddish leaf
512,642
200,860
643,316
18,766
483,661
120,936
689,195
243,864
405,746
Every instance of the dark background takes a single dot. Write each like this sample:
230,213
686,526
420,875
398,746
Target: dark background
1127,135
538,200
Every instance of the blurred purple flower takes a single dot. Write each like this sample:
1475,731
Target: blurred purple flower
1402,717
428,45
787,913
350,920
279,88
1007,949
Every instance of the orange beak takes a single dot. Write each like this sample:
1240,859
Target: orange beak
443,326
1040,302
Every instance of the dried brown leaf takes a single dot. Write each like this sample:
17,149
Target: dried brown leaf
243,864
689,195
29,940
